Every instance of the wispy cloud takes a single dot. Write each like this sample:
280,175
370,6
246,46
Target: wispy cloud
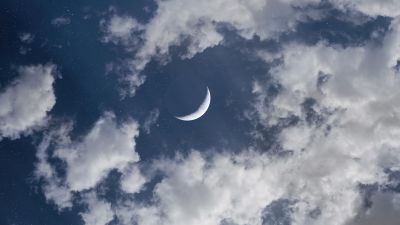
61,21
150,120
26,38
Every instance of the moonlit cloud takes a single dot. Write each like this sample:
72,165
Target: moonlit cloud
341,104
99,152
132,180
25,102
150,120
374,8
351,143
61,21
121,30
26,38
98,212
345,136
107,146
385,209
358,127
199,23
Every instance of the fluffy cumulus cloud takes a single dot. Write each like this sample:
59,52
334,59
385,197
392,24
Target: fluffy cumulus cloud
198,23
98,212
25,103
132,180
344,135
336,109
237,188
87,161
105,147
344,100
121,30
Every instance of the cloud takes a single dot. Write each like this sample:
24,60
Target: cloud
121,30
61,21
25,103
390,8
151,120
53,187
107,146
200,191
341,104
385,210
132,180
26,38
346,122
98,212
238,187
345,135
198,23
88,160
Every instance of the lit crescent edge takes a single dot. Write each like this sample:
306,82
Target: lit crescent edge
200,111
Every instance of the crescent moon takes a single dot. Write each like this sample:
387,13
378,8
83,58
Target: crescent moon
200,111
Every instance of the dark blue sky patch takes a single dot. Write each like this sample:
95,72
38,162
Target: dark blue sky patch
21,202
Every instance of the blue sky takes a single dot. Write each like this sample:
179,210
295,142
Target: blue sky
302,128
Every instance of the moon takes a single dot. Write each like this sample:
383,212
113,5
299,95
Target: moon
200,111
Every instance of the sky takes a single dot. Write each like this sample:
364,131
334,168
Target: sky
302,129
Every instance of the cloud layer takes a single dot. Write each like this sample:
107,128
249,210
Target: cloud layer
335,108
108,146
198,25
25,103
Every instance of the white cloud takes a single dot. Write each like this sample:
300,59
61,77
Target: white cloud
197,191
25,103
151,120
89,159
132,180
374,8
129,80
353,141
98,213
61,21
107,146
237,187
121,30
198,22
26,38
357,139
53,188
